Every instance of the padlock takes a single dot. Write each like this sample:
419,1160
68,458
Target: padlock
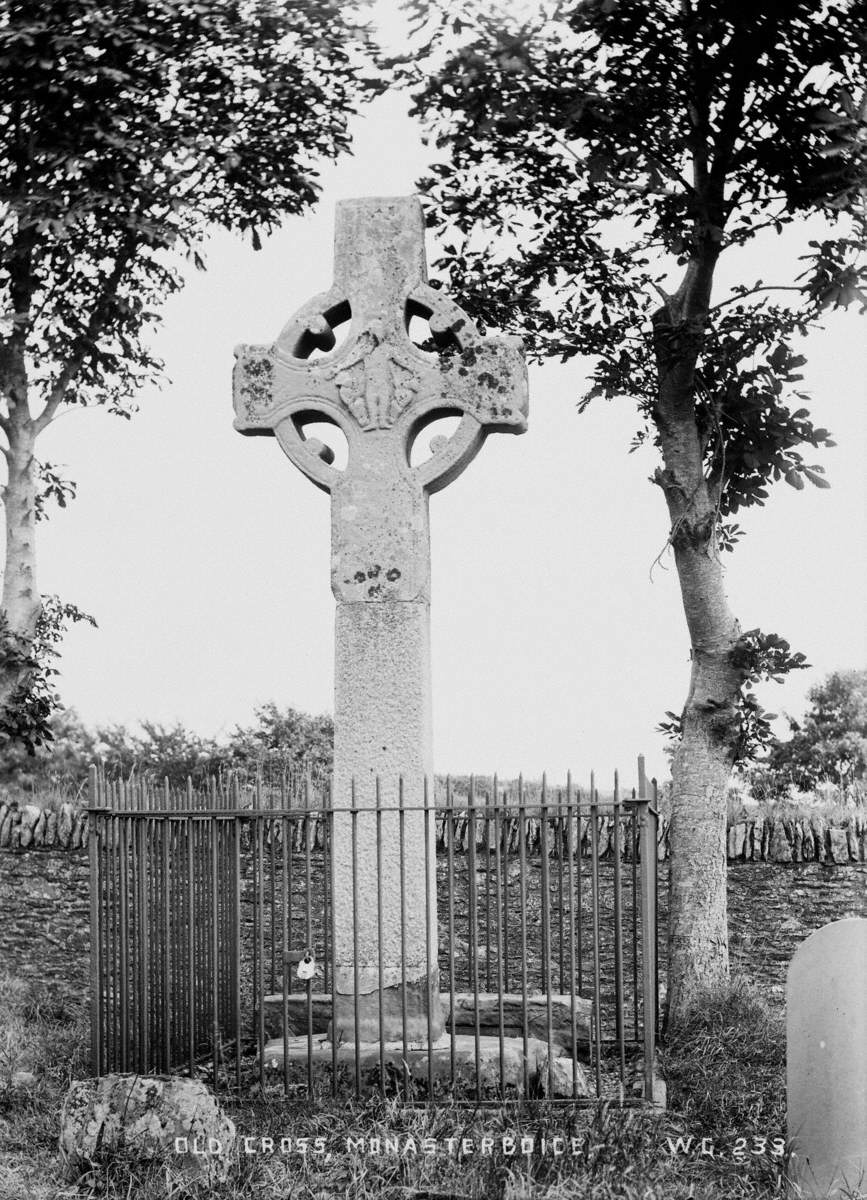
307,966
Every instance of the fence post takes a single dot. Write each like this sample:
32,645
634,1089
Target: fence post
96,965
654,817
647,827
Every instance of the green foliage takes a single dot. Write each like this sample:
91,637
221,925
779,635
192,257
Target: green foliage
24,719
831,741
52,488
758,657
595,148
284,739
126,132
280,741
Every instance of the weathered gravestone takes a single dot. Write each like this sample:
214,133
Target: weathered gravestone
826,1061
381,390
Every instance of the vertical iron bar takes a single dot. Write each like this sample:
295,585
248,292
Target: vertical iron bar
355,1014
487,850
559,827
474,929
579,851
236,933
648,940
402,846
191,960
499,900
215,950
546,925
110,903
284,854
450,866
259,999
124,943
113,926
633,835
594,879
96,924
144,918
328,900
618,934
333,947
273,895
522,873
654,816
165,831
570,852
505,850
379,935
308,838
291,832
427,939
254,901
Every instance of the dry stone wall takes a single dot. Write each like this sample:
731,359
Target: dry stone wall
30,827
776,839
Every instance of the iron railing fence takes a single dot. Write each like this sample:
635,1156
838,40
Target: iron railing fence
546,933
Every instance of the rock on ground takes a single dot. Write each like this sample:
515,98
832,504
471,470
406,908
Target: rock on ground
145,1115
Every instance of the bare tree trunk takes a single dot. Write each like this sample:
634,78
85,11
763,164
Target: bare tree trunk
21,603
698,934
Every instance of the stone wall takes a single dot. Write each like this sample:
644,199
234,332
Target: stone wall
30,827
778,839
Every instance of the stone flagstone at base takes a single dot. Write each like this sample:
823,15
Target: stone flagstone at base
556,1082
826,1061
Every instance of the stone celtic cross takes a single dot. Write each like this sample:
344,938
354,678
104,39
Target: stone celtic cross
381,390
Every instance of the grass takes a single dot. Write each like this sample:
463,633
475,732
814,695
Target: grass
726,1082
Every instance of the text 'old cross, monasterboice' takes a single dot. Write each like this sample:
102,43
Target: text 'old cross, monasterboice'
381,390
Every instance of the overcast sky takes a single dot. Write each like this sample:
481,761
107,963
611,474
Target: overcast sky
204,555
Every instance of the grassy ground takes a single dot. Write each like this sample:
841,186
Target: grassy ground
726,1086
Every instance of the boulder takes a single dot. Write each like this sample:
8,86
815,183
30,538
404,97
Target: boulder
818,827
79,832
6,827
39,829
30,815
51,829
737,840
167,1117
760,839
779,847
65,822
852,839
838,845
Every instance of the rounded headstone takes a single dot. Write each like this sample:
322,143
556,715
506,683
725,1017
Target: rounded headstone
826,1061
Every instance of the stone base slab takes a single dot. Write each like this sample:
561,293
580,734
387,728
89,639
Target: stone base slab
554,1079
417,1003
465,1009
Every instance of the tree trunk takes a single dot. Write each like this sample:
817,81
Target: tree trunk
698,933
21,603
